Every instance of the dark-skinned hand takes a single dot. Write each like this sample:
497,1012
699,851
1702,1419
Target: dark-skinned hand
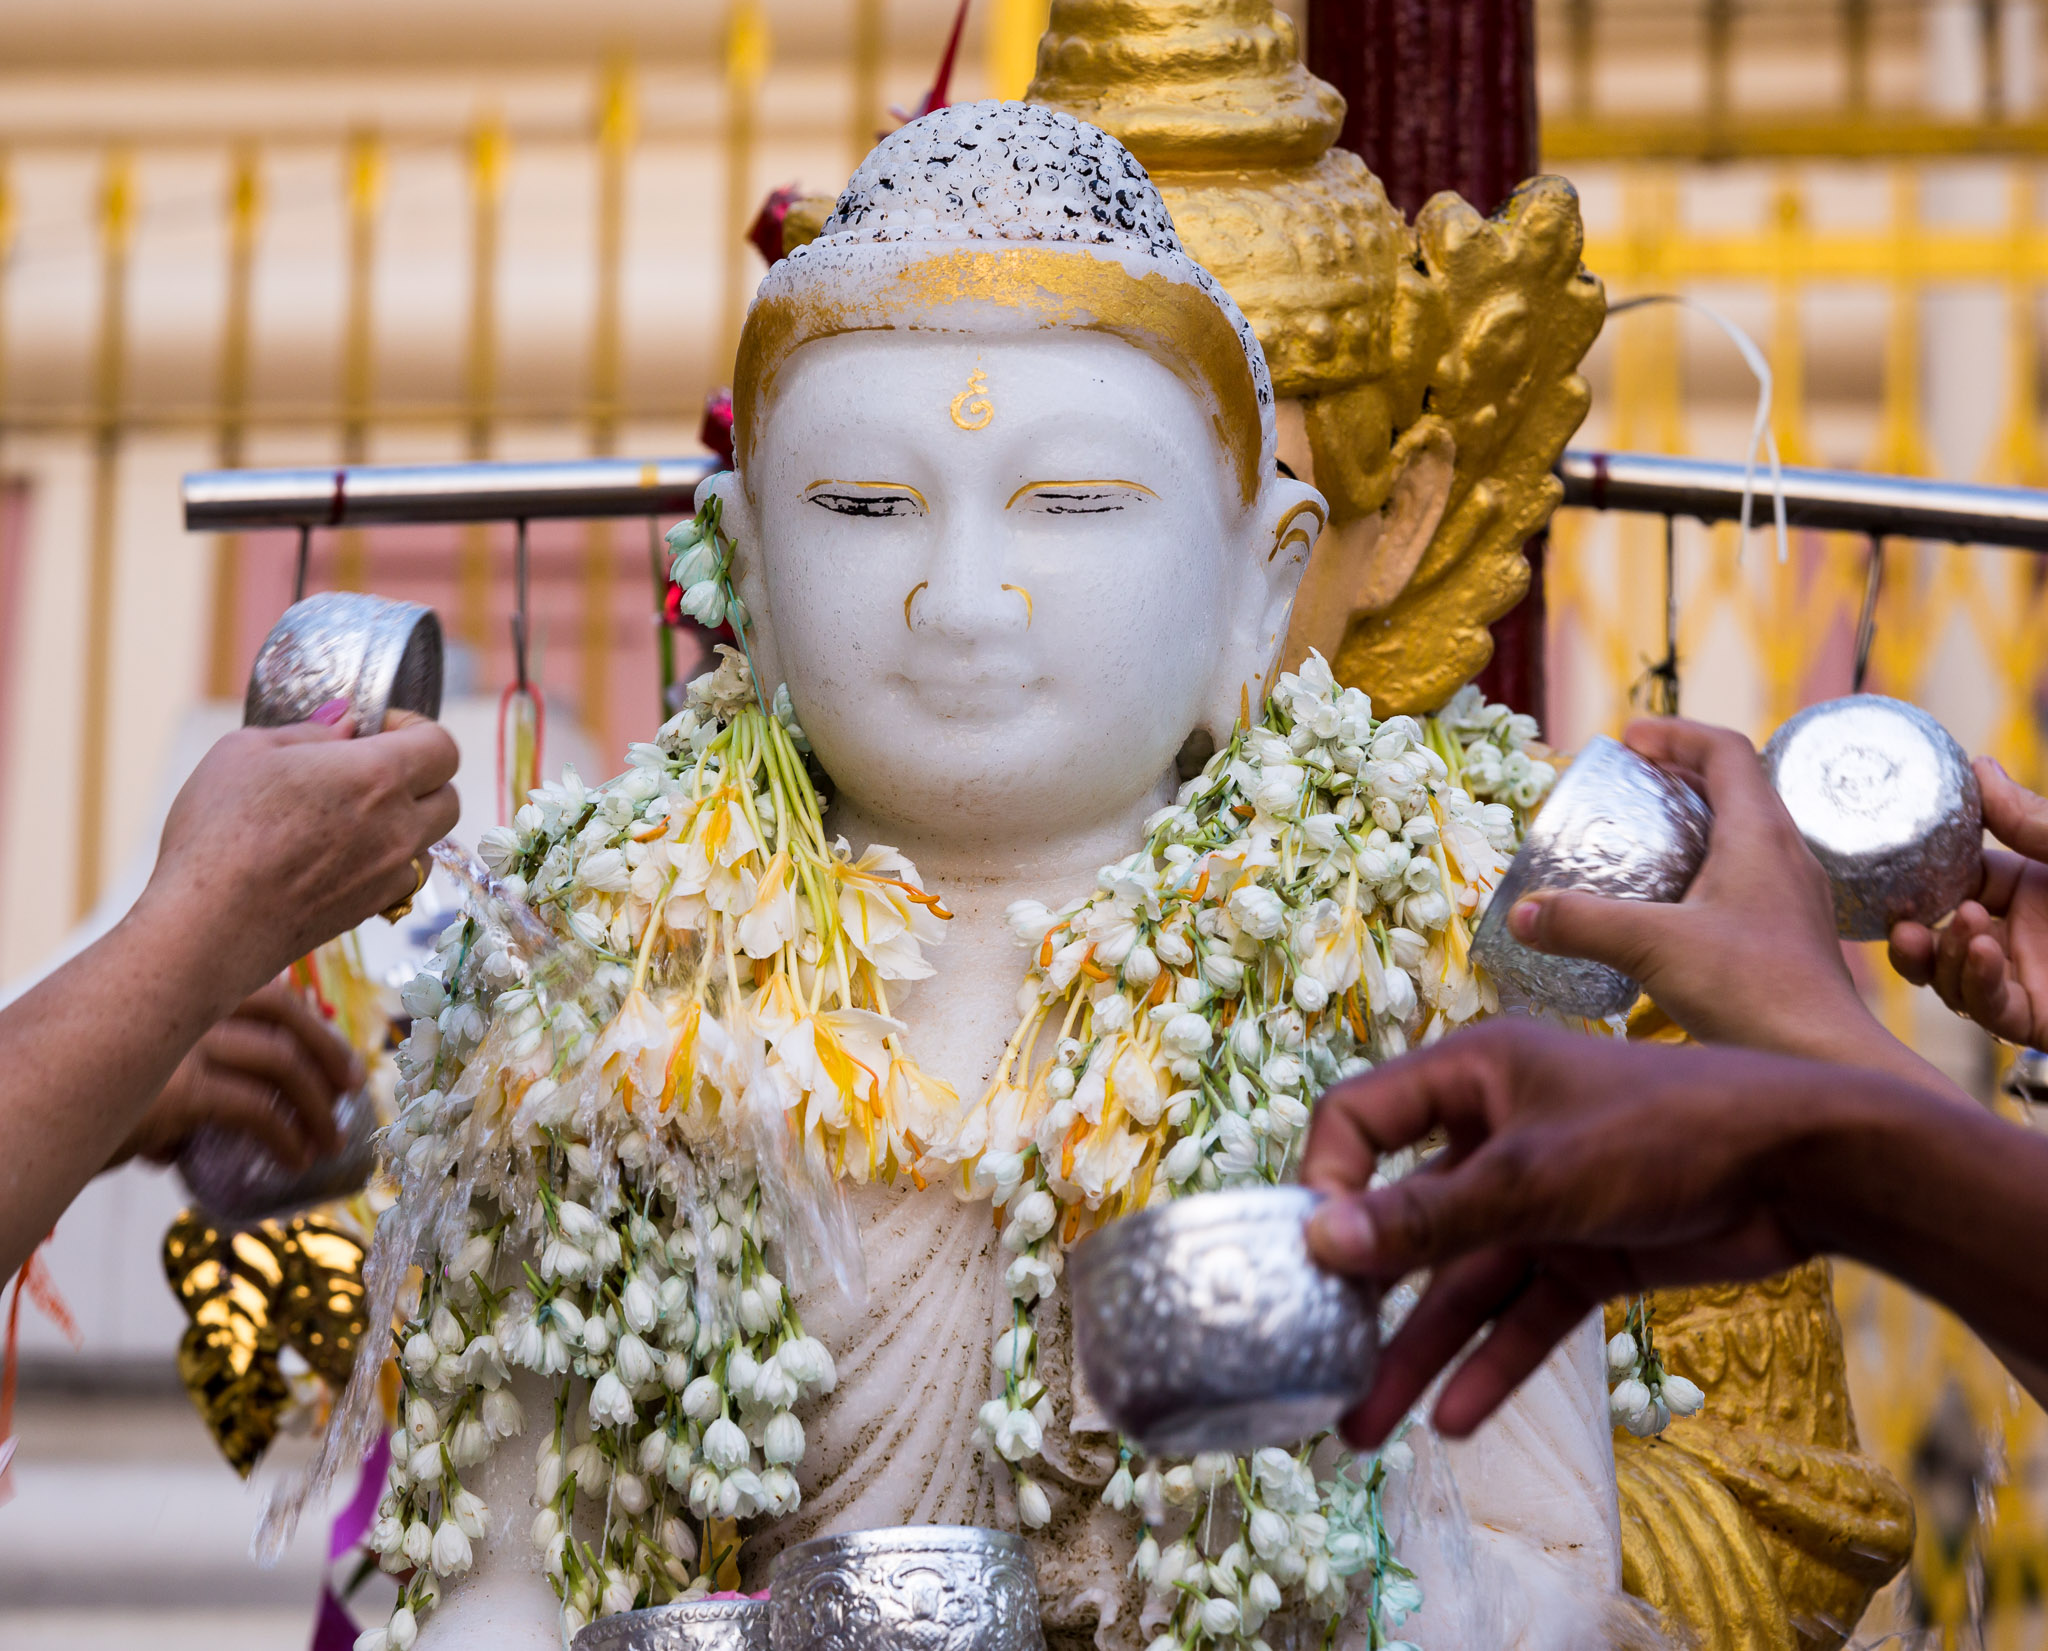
1989,962
1750,956
1577,1170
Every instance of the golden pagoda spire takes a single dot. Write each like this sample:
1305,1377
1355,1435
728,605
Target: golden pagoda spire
1189,85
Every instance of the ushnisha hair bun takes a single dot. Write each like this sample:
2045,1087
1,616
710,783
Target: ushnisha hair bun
1004,219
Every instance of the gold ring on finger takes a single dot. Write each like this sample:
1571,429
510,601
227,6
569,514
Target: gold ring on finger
391,914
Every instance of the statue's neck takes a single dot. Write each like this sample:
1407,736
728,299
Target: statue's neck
960,1020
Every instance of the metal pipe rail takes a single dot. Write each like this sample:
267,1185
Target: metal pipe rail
390,495
1838,501
1902,507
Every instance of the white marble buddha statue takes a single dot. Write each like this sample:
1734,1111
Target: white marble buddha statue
1008,514
1010,528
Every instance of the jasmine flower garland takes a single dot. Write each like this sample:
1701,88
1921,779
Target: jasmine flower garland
603,1136
1303,910
642,1063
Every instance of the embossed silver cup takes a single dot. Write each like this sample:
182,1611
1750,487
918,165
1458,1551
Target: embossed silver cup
915,1588
1202,1324
1889,805
380,656
695,1625
377,654
1613,825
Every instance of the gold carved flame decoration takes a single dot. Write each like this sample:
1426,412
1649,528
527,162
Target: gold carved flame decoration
250,1295
1390,336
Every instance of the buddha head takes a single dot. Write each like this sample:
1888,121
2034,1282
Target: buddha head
1006,503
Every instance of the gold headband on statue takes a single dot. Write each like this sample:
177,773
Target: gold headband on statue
1004,291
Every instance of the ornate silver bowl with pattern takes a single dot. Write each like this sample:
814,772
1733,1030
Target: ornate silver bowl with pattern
1887,801
915,1588
380,656
377,654
696,1625
1202,1324
1613,825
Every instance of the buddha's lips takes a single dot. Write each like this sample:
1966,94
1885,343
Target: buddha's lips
992,694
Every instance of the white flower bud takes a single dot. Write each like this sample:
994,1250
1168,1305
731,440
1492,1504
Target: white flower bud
725,1446
1310,994
502,1417
468,1443
1629,1398
420,1354
1119,1492
547,1475
1034,1508
782,1440
640,1305
634,1361
610,1404
1219,1617
1621,1353
629,1490
703,1399
1183,1159
1270,1532
419,1542
1033,1216
1683,1397
547,1525
403,1629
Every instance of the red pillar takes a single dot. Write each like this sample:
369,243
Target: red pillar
1442,95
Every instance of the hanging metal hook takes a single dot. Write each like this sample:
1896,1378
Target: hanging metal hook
305,560
1866,622
521,619
1658,685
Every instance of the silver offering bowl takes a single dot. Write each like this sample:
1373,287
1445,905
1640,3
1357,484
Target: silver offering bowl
1889,805
693,1625
916,1588
1613,825
377,654
1202,1324
380,656
238,1183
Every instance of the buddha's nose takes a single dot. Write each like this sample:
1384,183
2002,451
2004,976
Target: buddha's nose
965,598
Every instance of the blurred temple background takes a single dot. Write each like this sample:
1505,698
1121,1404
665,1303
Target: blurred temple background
243,233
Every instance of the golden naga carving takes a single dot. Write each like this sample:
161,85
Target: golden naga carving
1757,1523
1429,375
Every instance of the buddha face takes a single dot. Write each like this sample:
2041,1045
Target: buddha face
1005,579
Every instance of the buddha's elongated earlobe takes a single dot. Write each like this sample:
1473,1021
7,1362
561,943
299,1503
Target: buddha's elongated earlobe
1266,567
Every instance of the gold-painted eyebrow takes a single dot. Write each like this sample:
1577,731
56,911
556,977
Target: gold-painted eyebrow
872,487
1040,487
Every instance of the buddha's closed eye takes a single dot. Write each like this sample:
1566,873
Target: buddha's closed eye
874,500
1097,498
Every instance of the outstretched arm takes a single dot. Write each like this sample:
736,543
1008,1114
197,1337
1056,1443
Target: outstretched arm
282,839
1578,1171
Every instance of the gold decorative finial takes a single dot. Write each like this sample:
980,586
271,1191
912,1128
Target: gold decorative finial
1189,85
